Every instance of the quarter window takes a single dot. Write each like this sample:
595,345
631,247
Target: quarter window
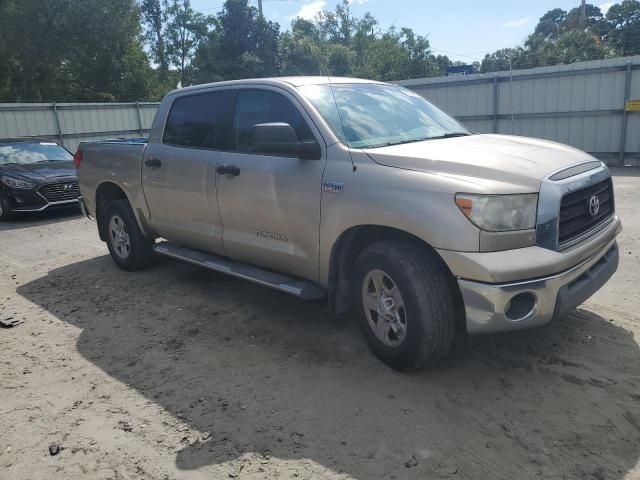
200,121
254,107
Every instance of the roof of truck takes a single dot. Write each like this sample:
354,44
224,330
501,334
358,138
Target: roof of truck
294,81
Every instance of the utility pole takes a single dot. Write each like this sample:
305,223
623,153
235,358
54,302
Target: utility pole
583,13
260,6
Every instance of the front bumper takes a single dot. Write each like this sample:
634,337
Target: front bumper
502,307
32,200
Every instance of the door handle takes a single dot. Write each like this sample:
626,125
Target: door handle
153,162
228,170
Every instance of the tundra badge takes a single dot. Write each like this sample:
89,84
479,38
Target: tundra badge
332,187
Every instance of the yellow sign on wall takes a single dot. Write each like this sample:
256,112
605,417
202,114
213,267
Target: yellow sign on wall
632,105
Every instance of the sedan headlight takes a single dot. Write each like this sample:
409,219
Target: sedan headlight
15,183
500,213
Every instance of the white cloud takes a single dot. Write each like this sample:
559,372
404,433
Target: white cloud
605,7
310,10
520,22
358,2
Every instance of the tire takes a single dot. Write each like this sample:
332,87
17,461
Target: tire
5,209
128,247
417,326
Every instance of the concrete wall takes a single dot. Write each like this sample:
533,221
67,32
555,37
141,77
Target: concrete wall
580,104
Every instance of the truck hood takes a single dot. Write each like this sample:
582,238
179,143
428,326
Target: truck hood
493,161
40,172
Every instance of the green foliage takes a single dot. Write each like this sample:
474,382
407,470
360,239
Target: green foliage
154,19
246,45
87,50
625,27
337,43
186,29
119,50
562,37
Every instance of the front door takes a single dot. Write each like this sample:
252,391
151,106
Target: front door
179,173
270,204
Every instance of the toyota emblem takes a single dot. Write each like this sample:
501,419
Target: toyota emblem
594,205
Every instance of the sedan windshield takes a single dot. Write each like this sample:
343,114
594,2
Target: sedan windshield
32,152
373,115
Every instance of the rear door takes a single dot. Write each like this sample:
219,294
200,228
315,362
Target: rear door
271,208
179,173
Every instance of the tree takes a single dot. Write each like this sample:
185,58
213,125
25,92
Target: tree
551,24
624,35
247,45
154,19
186,30
300,52
504,59
64,62
594,20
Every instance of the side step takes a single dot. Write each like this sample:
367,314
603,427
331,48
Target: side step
295,286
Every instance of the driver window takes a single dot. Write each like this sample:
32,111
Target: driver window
264,106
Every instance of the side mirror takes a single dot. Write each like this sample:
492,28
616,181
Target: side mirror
281,139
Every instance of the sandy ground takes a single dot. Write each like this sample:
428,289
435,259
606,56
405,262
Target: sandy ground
177,372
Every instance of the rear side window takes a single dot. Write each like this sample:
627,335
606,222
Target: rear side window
200,121
264,106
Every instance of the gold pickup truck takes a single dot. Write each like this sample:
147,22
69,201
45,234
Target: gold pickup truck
365,193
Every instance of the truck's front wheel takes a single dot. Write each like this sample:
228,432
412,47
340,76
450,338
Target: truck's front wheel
407,312
128,247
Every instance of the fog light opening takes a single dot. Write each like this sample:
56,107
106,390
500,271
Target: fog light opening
520,306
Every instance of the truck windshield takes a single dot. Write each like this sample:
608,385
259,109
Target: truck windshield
373,115
32,152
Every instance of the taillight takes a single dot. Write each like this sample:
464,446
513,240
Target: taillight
77,158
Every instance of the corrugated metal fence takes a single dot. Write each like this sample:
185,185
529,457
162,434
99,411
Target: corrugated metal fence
581,104
72,123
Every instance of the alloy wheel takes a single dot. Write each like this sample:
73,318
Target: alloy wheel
384,308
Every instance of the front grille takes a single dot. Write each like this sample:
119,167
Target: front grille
576,216
60,192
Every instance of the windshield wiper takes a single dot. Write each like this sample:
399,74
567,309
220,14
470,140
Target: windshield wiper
450,135
402,142
399,142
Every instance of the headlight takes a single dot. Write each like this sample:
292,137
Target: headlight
15,183
500,213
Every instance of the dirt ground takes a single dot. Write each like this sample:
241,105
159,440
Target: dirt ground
181,373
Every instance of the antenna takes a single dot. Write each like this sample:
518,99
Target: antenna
260,7
341,124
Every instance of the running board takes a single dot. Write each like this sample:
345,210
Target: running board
295,286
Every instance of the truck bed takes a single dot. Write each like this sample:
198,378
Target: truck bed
116,162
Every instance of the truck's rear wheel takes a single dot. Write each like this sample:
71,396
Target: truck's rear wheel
128,247
407,312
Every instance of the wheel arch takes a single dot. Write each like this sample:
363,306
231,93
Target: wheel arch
346,249
108,191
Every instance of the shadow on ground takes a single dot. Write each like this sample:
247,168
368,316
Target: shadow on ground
625,171
264,372
38,219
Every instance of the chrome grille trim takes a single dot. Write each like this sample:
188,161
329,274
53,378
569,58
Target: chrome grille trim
60,191
575,218
551,194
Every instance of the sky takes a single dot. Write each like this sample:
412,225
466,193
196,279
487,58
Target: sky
463,30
